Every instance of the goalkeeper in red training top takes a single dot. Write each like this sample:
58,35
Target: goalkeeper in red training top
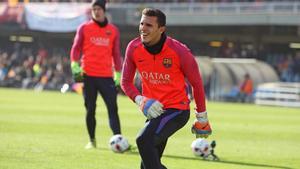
164,64
99,43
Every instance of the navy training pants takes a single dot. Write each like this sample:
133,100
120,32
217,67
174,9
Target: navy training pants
106,88
153,137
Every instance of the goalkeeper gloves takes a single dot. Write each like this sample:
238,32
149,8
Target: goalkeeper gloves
76,71
150,107
201,126
117,76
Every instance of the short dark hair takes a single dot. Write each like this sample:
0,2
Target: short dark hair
161,17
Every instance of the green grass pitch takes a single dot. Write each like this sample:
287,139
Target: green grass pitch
46,130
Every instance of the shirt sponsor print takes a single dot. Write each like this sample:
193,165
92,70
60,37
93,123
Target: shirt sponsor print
156,78
99,41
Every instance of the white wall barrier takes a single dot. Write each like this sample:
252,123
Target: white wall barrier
278,94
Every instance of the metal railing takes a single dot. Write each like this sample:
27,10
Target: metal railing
232,13
218,8
194,13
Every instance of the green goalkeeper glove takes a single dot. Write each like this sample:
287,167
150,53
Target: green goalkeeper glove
117,77
77,71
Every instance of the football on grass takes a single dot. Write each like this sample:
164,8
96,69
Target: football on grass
118,143
201,147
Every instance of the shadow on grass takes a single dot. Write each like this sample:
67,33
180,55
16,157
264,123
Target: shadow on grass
229,162
134,151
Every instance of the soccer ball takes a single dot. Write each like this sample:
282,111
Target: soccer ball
201,147
118,143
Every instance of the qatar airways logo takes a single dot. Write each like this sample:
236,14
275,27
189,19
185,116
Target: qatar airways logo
156,78
99,41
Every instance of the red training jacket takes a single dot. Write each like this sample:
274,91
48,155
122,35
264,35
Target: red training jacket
163,75
100,48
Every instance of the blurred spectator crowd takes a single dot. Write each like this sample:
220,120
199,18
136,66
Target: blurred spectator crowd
42,68
287,66
25,67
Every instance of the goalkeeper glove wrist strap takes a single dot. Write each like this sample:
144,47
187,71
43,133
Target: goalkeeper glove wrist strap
138,100
201,116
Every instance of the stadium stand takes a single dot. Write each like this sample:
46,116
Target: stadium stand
35,68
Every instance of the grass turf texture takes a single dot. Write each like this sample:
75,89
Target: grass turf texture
47,131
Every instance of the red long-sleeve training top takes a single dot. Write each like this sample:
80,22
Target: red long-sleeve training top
100,49
163,75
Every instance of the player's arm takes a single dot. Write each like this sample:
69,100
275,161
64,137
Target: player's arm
116,53
75,55
77,45
189,66
128,73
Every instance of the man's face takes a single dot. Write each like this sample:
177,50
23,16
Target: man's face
98,13
150,32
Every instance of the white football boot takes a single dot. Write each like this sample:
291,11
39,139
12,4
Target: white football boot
90,145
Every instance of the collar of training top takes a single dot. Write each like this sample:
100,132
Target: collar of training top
102,24
156,48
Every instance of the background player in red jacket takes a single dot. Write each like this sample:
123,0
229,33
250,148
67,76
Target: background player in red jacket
99,43
163,64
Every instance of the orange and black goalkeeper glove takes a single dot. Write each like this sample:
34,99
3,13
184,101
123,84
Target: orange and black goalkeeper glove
201,127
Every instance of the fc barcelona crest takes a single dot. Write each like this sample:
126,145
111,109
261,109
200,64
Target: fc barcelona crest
108,32
167,62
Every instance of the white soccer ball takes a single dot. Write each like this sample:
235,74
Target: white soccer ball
201,147
118,143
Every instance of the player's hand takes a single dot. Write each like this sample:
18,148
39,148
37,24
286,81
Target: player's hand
150,107
76,71
117,77
201,126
